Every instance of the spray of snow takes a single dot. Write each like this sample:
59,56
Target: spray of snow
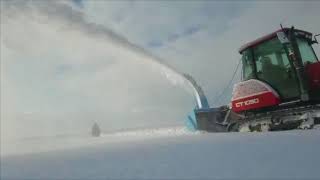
60,73
152,133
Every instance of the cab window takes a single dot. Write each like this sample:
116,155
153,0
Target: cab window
307,54
274,68
247,62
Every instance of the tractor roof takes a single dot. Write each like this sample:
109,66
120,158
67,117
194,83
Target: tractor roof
267,37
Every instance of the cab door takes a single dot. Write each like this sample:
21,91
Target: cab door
273,67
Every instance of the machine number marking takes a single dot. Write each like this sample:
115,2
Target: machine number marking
247,102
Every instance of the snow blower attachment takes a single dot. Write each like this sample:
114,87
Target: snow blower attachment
280,88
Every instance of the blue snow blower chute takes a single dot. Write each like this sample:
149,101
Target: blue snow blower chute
203,117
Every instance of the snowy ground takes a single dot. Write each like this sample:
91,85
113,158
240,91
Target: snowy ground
166,154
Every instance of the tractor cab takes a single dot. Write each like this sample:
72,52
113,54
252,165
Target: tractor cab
280,88
282,63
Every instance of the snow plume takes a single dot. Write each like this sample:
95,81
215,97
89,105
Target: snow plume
153,133
59,74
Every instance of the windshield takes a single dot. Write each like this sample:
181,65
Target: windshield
306,51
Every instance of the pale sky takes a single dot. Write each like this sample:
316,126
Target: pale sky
66,64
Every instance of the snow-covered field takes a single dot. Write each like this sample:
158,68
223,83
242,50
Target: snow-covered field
172,153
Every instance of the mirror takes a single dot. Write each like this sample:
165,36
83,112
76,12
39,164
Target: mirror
315,39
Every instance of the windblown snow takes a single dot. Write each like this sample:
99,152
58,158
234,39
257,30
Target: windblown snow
60,74
166,153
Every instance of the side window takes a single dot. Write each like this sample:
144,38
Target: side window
247,65
307,54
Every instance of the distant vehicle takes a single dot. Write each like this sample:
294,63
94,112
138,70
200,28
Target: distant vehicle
95,130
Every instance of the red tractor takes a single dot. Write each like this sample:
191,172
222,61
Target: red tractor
280,87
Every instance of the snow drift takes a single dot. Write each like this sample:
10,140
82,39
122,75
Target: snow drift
273,155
